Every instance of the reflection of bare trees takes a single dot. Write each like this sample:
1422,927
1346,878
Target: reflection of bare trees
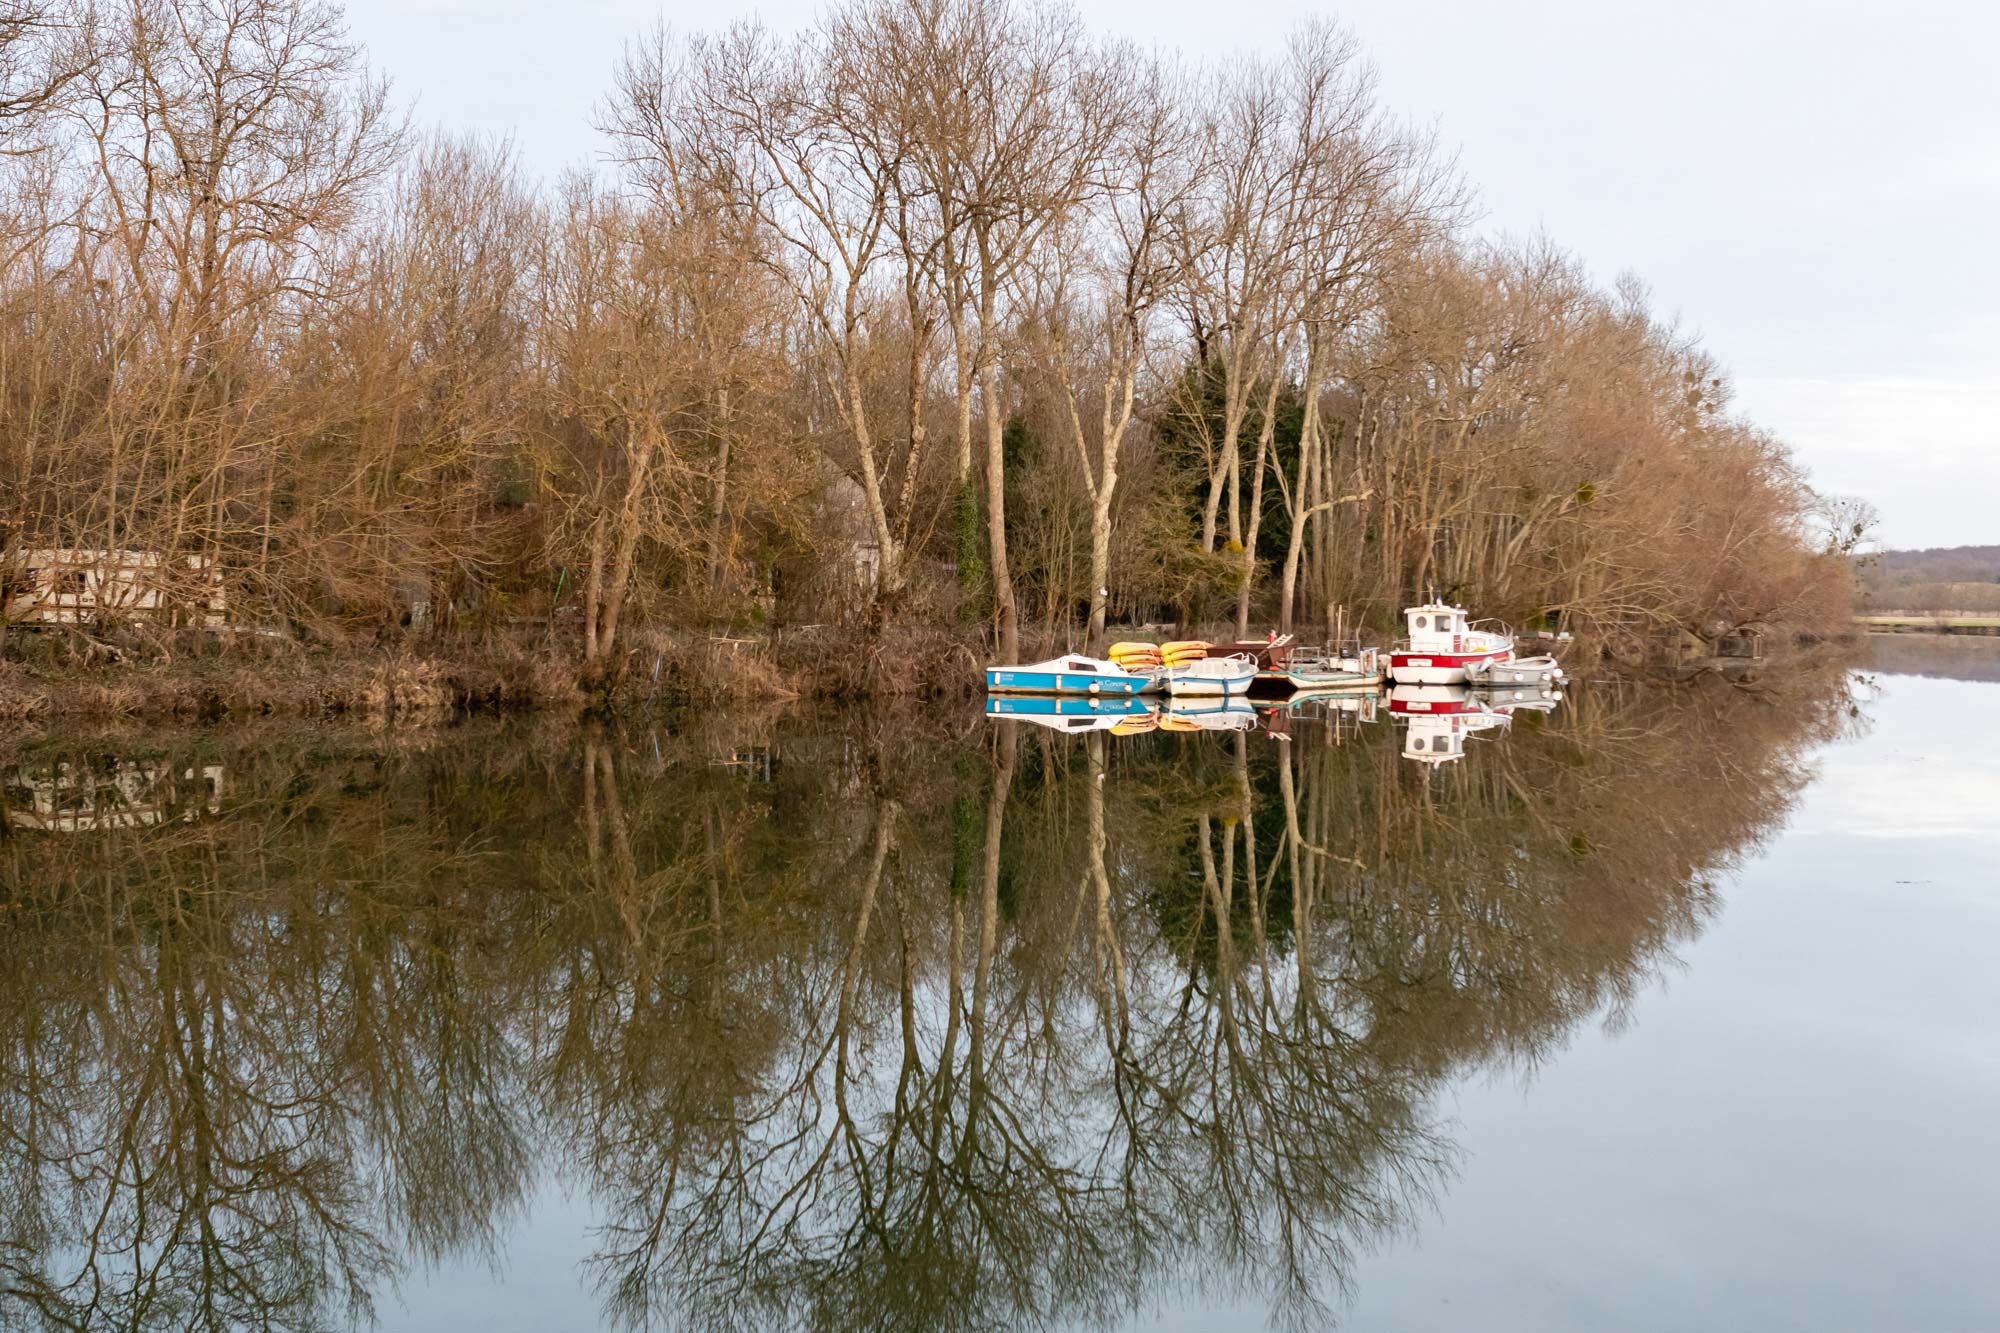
847,1037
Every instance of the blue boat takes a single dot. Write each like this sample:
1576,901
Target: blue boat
1069,675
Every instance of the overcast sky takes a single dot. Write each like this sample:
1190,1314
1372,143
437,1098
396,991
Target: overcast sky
1814,188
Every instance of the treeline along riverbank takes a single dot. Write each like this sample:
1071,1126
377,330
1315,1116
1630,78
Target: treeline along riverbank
934,326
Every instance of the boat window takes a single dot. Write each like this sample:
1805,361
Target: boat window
1081,666
1422,622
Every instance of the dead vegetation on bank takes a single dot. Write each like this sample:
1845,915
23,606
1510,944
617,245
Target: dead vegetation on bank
142,673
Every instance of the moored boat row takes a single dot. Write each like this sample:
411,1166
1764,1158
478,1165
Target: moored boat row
1188,672
1443,647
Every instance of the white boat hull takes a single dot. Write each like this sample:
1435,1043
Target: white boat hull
1212,677
1516,671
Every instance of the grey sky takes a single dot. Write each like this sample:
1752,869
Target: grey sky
1814,188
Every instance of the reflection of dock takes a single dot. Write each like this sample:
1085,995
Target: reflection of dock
65,797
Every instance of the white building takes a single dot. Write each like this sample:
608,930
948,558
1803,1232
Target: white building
78,585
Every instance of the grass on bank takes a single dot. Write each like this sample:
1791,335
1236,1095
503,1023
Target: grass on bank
1931,622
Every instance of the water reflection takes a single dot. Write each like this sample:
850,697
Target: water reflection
879,1022
1438,720
64,795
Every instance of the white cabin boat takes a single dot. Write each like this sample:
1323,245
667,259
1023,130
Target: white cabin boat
1443,648
1212,676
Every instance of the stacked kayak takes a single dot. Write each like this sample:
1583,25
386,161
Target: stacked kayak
1135,656
1191,671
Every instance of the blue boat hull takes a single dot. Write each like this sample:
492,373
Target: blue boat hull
1011,680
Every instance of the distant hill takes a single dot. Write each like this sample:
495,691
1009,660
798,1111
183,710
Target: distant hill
1943,578
1941,564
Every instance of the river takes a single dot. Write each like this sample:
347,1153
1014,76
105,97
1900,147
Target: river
1668,1008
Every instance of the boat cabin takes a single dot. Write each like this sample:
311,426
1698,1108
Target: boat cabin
1436,627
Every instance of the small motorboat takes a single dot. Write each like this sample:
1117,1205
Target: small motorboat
1069,712
1308,668
1074,674
1211,676
1542,670
1444,649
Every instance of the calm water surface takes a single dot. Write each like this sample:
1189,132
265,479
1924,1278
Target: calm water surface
1669,1009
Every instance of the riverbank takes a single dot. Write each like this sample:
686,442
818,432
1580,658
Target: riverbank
49,676
1936,623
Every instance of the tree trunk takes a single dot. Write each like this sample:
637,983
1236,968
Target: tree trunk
1005,625
721,507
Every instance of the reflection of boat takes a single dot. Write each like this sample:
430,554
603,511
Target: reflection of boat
1208,714
1443,648
1440,718
1212,676
1074,674
1069,712
1541,697
1357,703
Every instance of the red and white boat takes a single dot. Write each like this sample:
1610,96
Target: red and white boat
1444,649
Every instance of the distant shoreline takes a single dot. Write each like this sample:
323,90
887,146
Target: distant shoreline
1943,622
